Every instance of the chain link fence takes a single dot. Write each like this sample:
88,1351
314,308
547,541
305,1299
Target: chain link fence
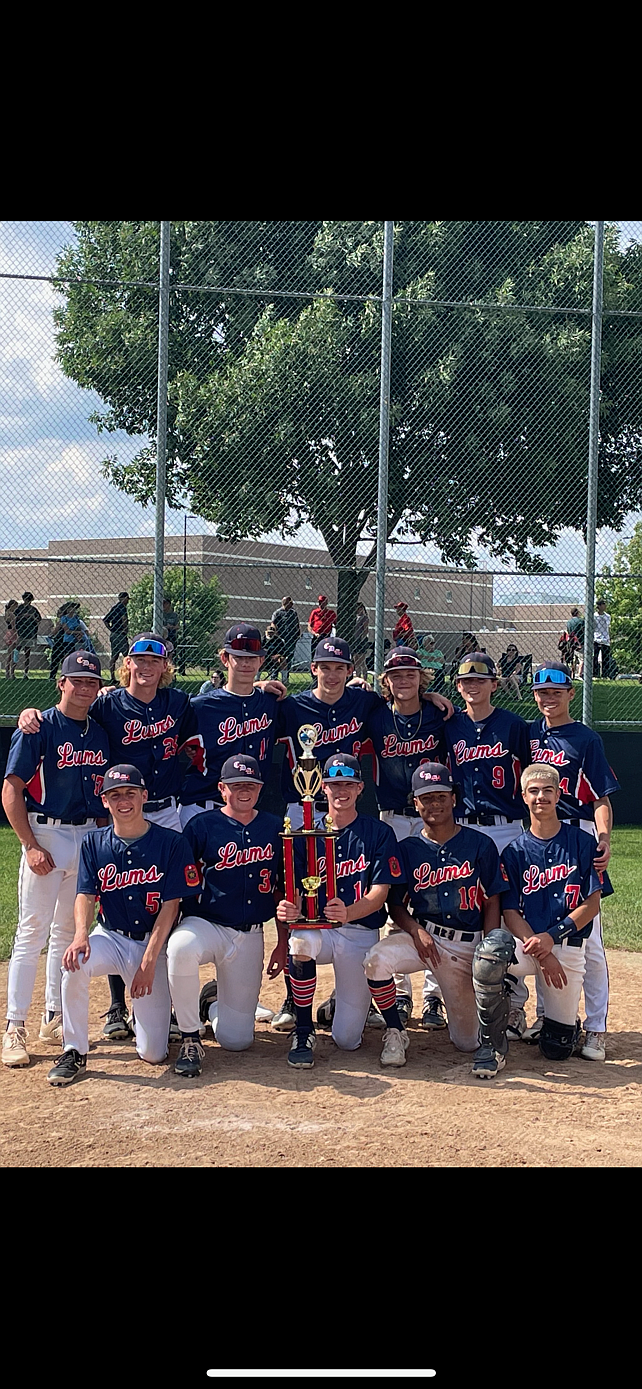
286,461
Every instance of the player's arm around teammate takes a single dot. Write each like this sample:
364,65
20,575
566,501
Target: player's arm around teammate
51,796
238,850
367,863
139,871
452,881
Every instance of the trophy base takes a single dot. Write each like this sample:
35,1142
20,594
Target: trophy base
315,923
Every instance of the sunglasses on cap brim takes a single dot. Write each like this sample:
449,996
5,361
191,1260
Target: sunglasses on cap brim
401,663
148,648
551,677
250,645
474,668
341,771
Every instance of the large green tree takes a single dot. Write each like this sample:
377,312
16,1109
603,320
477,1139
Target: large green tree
623,595
274,397
205,608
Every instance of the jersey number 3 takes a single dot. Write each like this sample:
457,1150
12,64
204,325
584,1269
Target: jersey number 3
264,880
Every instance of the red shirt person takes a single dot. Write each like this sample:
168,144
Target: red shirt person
322,619
403,633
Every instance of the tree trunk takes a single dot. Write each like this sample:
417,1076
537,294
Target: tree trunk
349,585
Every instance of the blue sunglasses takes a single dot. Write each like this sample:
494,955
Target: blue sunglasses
551,677
340,770
148,648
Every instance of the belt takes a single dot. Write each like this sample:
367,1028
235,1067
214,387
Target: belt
450,934
488,820
130,935
577,943
204,804
51,820
159,805
411,814
579,823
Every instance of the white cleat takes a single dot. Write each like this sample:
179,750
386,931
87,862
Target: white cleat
516,1025
395,1046
263,1014
594,1048
51,1031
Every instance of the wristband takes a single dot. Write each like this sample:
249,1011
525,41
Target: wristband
562,930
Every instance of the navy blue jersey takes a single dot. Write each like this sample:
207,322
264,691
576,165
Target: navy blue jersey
342,727
367,854
239,866
545,879
148,736
133,880
62,765
227,724
578,754
401,743
487,759
447,883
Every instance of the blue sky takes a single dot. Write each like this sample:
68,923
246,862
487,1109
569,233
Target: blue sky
50,454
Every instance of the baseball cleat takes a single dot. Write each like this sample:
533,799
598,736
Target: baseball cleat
404,1009
14,1047
117,1027
70,1065
531,1035
301,1050
51,1031
434,1014
374,1018
488,1063
516,1025
285,1019
175,1034
189,1061
207,996
395,1046
325,1011
594,1048
263,1014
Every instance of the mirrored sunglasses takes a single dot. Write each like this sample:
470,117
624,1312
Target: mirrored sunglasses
474,668
148,648
550,677
248,644
341,771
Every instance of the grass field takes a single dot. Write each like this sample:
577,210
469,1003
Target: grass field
622,916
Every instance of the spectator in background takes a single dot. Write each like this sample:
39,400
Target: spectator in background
11,637
28,620
432,659
286,621
403,632
58,650
117,624
170,622
602,641
361,643
469,643
322,619
274,647
511,670
575,626
215,682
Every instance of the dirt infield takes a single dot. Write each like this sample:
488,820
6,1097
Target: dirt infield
252,1110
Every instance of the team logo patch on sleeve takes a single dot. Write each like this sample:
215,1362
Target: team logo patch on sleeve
504,873
192,875
395,867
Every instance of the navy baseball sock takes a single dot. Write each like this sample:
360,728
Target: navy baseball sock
117,990
384,995
303,982
286,977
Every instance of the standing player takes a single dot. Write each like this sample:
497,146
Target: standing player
550,901
138,871
452,880
586,782
51,797
238,849
366,859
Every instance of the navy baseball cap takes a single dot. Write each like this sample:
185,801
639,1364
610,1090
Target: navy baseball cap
333,649
240,768
477,663
147,644
82,663
243,640
401,658
122,775
342,766
553,673
431,776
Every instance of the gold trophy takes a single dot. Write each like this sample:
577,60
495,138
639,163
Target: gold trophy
308,779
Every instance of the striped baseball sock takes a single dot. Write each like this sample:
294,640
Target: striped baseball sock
286,977
384,994
303,982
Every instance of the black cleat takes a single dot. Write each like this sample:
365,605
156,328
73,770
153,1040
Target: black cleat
70,1065
190,1058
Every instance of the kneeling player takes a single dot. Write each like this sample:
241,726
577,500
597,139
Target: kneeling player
139,872
551,897
366,857
452,881
238,848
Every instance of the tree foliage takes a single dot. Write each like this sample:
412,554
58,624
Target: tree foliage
205,608
274,400
623,597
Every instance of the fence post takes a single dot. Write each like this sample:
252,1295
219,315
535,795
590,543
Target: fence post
384,442
161,426
594,440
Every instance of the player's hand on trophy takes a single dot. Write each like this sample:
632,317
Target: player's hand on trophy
79,946
552,971
336,910
425,947
30,720
39,861
289,911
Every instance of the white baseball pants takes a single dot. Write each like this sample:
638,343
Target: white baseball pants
345,948
169,818
112,953
238,956
453,976
187,812
596,977
403,826
501,835
561,1005
45,909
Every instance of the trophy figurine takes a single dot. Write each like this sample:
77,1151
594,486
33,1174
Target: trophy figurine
307,780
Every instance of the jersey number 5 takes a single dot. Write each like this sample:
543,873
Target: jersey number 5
152,904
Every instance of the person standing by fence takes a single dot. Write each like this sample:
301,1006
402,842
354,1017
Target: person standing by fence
602,641
28,620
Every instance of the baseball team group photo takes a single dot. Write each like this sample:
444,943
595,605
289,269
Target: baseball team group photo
352,876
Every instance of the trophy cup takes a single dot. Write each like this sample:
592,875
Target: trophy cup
307,779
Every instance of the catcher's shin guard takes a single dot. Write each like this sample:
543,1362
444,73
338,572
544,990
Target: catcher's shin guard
558,1040
491,960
